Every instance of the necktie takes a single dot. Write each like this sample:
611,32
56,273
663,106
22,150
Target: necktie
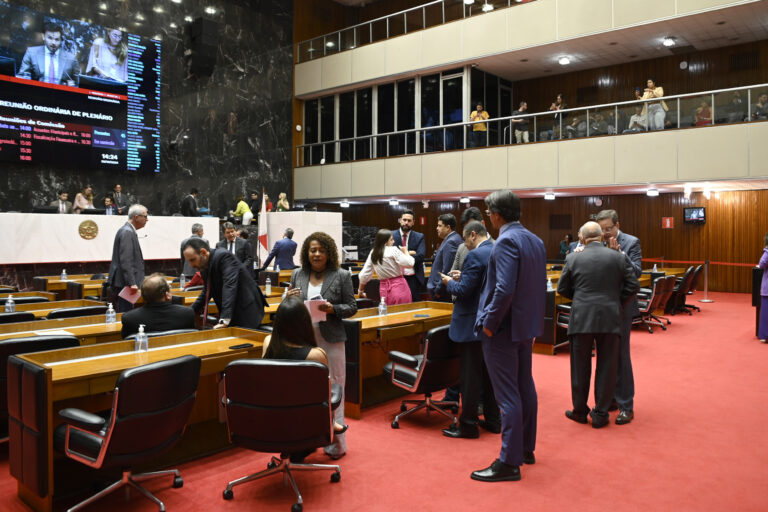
62,207
405,240
51,69
232,247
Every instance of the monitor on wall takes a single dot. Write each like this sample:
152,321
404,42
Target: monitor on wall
78,94
695,215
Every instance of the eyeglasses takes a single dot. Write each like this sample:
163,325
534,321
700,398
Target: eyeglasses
488,212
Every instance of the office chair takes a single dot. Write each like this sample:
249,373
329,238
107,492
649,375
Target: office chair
77,311
437,368
294,418
274,277
6,288
694,287
98,276
18,316
373,290
662,289
28,300
150,408
682,287
24,345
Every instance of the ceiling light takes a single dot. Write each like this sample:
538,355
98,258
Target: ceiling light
394,202
158,8
549,196
210,10
687,191
469,2
173,25
487,7
158,37
652,192
344,204
103,6
707,193
464,200
668,41
176,1
564,61
188,19
140,17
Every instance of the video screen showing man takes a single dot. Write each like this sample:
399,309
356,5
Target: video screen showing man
50,62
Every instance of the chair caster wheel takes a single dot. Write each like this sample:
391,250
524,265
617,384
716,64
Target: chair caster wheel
335,477
271,464
178,482
228,494
455,410
395,424
296,507
403,407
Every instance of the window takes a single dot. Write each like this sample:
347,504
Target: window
311,132
364,123
406,116
431,140
326,128
386,117
346,125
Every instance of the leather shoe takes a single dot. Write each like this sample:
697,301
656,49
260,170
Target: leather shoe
497,472
578,418
625,417
598,423
494,428
614,406
457,432
529,458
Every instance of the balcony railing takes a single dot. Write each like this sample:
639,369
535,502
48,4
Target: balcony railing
410,20
723,106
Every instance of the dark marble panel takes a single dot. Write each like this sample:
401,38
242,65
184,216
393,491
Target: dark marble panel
225,134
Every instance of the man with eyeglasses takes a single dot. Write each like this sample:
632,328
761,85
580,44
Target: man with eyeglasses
628,245
127,267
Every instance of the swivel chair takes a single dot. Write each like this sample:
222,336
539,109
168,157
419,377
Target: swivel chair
77,311
16,316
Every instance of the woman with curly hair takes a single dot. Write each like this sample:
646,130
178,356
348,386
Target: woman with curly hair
320,277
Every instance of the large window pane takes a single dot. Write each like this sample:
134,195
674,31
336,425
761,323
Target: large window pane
346,125
492,106
386,117
311,132
452,112
326,127
406,103
364,122
431,140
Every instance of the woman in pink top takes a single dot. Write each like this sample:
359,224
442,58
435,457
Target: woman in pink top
84,199
388,262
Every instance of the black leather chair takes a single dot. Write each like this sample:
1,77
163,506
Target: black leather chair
694,286
682,286
24,345
373,291
195,288
660,293
98,276
27,300
162,333
436,369
150,408
6,288
78,311
295,417
364,303
274,277
17,316
102,296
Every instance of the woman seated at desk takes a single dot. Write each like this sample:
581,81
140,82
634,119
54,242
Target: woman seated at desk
388,261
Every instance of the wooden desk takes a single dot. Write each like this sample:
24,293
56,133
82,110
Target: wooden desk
47,295
370,338
88,329
41,309
83,377
55,284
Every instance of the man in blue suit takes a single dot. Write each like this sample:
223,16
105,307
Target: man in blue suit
510,315
49,62
629,246
475,381
446,226
283,252
414,241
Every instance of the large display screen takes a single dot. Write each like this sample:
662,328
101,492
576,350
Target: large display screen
77,94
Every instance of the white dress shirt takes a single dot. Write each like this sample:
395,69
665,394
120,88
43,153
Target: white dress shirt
392,265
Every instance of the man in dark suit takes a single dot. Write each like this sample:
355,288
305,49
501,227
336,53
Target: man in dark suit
510,315
283,252
600,282
414,241
49,62
475,382
157,314
241,249
197,232
121,202
446,226
189,205
61,204
127,267
226,281
629,245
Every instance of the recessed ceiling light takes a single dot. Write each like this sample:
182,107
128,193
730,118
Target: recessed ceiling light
344,204
158,8
549,196
395,202
564,61
469,2
652,192
668,41
176,1
210,10
464,200
188,19
173,25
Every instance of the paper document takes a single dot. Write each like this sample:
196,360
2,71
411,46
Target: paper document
130,294
52,333
314,310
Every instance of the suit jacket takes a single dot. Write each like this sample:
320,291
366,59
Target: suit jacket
127,267
630,245
189,206
158,317
243,251
467,293
121,202
600,281
67,204
338,290
443,263
233,289
111,208
415,243
514,296
283,252
33,65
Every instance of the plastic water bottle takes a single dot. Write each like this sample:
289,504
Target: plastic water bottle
63,274
268,286
111,315
10,305
142,342
277,267
550,288
654,268
382,307
182,281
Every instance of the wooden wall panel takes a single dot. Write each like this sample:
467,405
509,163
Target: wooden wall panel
734,231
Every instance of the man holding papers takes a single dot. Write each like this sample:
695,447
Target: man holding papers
127,268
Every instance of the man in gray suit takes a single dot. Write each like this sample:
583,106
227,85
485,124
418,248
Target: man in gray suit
127,268
62,204
50,62
197,232
601,282
630,246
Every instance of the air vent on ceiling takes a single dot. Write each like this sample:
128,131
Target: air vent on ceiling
743,61
680,50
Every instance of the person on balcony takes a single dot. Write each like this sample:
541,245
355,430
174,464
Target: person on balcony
655,110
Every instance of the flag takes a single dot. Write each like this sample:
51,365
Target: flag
263,227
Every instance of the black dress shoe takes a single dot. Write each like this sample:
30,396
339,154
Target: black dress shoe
494,428
497,472
578,418
625,417
529,458
465,432
614,406
599,423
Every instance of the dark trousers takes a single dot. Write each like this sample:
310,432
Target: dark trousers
415,286
121,305
607,348
625,381
476,384
509,366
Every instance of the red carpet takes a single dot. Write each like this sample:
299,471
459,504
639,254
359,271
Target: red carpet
698,442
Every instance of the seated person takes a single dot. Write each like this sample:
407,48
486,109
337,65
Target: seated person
638,122
577,127
243,211
157,314
50,62
736,109
109,208
702,115
294,338
598,125
760,111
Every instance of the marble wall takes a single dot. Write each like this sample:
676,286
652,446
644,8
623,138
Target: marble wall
225,134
